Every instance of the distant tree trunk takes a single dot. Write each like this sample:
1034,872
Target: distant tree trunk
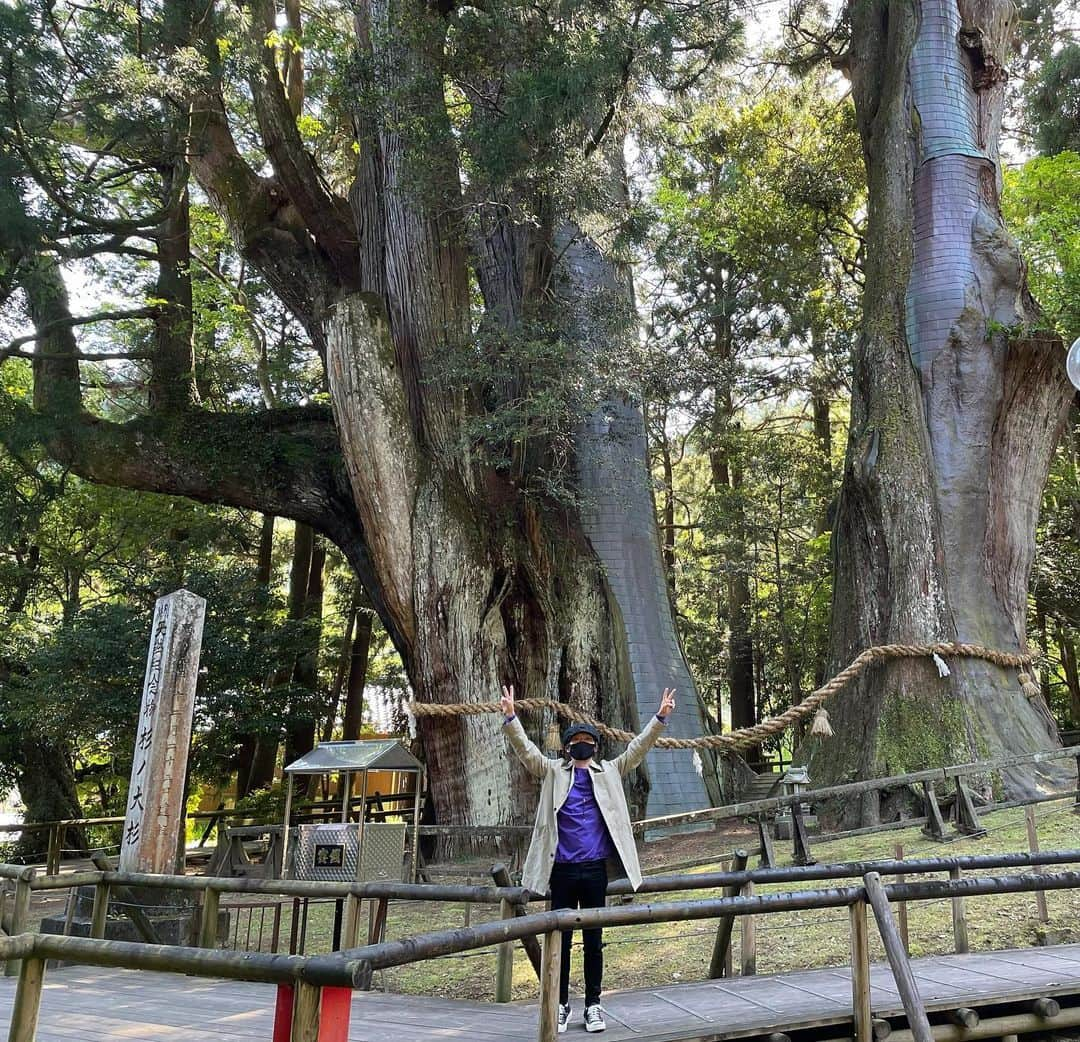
1067,650
46,781
956,408
257,753
667,521
823,435
300,730
727,477
353,717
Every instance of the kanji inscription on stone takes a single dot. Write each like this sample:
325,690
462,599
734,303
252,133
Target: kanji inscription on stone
163,735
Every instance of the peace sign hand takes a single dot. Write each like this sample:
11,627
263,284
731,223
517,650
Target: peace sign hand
667,702
507,700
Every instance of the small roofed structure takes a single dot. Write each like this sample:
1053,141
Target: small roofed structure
347,759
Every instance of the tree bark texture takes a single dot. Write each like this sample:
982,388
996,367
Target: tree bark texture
956,407
619,518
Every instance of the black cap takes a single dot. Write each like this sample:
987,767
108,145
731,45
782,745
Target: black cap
573,729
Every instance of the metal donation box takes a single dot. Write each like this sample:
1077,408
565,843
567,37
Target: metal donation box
330,853
364,850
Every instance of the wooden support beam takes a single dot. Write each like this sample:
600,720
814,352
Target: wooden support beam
935,823
881,1029
901,906
131,907
1046,1008
500,874
1033,847
914,1007
964,815
720,964
548,1028
765,842
964,1017
800,838
24,1012
860,973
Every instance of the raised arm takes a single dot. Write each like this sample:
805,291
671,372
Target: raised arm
536,763
636,750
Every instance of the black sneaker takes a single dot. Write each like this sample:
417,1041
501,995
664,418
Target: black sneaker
594,1018
564,1017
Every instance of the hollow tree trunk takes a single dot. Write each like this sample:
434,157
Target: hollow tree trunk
955,407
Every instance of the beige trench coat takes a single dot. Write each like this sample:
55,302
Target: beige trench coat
557,777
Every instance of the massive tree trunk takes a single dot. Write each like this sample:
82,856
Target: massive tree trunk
477,580
956,407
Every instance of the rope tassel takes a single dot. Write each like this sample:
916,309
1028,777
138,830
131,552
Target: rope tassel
821,725
1028,686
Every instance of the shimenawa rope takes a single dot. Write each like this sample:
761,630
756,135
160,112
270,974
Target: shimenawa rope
749,736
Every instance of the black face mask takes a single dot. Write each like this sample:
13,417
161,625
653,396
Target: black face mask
581,750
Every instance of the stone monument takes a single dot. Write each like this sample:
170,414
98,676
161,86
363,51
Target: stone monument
151,835
163,735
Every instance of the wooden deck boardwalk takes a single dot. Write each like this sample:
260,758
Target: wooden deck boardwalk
93,1005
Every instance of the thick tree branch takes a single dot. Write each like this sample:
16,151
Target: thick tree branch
326,215
267,229
12,350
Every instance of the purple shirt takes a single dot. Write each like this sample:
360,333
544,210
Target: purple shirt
583,836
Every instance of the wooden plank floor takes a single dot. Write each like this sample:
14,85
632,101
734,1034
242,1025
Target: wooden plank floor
94,1005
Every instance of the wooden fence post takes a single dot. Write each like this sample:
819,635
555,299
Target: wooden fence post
307,1013
720,964
52,858
748,937
959,918
350,921
500,875
100,913
306,1009
1033,847
550,961
20,912
504,966
901,906
24,1012
860,972
765,842
800,838
209,927
965,816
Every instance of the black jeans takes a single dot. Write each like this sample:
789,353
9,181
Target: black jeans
581,884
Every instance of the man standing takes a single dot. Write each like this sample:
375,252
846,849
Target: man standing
582,819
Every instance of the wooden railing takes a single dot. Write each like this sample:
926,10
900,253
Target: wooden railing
307,975
375,806
759,809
